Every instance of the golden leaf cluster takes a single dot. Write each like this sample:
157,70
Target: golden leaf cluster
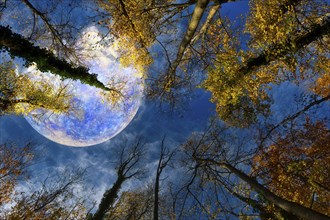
133,28
20,95
232,92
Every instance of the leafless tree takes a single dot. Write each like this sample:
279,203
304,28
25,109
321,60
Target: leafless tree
128,167
165,157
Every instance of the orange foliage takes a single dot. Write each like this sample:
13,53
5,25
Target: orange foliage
297,167
322,86
13,161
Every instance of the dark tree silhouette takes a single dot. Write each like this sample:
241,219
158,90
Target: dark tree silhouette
128,167
18,46
165,157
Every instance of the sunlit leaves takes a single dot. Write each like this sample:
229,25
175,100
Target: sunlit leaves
270,22
322,85
282,45
277,21
20,95
237,98
133,29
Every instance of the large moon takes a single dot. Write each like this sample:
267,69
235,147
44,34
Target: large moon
96,120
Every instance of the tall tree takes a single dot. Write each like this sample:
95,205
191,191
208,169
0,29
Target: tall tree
216,159
164,158
128,167
296,166
45,60
222,158
284,38
48,37
276,43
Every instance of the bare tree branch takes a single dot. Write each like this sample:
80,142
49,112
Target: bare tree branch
127,169
164,158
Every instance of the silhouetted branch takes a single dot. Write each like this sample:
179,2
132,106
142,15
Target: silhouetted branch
46,61
127,169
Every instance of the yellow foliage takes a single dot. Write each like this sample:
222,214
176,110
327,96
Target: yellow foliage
239,77
270,22
133,29
323,85
274,21
20,95
237,98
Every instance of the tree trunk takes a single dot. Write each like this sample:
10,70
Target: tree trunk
193,24
206,24
317,31
46,61
156,194
284,204
108,199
